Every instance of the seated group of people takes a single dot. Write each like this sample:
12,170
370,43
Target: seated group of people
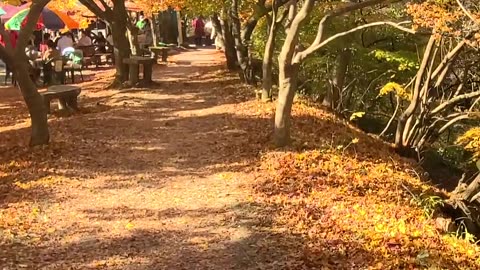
63,47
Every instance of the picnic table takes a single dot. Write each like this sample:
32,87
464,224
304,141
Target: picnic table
66,95
163,51
134,63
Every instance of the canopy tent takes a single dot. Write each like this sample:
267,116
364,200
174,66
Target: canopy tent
49,18
9,11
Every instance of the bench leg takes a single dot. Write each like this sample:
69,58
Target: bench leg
147,73
62,104
72,103
164,56
133,73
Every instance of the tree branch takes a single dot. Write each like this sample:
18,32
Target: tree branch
316,46
453,121
464,9
93,7
455,100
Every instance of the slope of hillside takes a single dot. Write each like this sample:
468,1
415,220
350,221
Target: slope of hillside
349,202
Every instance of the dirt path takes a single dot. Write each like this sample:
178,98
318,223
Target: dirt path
144,179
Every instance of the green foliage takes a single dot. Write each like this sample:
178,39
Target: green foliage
428,203
405,60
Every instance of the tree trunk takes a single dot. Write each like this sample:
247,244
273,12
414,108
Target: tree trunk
288,75
230,53
180,36
120,42
332,98
240,48
268,61
34,101
219,36
153,27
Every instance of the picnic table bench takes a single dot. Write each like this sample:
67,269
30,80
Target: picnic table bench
163,51
66,95
134,63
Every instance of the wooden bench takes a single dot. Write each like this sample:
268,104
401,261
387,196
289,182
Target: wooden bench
163,51
134,63
66,95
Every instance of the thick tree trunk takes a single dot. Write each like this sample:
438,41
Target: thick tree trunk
288,75
120,41
230,52
34,101
332,98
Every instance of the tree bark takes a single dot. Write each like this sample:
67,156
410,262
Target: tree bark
288,85
16,58
332,98
230,53
120,42
267,65
219,32
240,48
153,28
34,101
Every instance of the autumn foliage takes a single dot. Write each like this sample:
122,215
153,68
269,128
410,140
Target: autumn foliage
354,202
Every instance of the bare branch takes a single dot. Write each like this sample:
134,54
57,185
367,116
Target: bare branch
449,57
464,9
455,100
453,121
316,46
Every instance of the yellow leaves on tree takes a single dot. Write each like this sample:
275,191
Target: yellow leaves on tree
395,88
470,141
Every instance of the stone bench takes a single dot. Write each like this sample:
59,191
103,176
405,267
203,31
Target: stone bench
134,62
66,95
163,51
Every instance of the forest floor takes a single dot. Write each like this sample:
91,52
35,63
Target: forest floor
182,175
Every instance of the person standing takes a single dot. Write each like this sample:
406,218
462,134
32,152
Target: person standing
208,33
199,28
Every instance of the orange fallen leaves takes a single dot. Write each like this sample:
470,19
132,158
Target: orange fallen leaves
355,201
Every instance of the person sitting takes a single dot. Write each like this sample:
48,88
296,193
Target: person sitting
100,41
31,52
44,43
84,39
52,52
50,55
64,42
